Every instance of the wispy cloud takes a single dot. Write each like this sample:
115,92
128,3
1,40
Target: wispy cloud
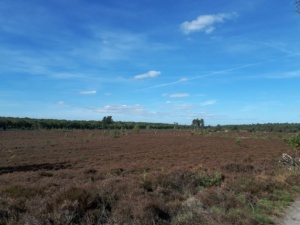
60,103
64,75
88,92
248,108
278,46
183,79
150,74
168,84
120,108
125,110
205,23
213,73
114,44
183,107
179,95
208,102
284,75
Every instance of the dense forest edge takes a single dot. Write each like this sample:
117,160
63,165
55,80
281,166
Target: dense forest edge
12,123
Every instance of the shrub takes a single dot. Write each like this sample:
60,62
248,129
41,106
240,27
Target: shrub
115,133
238,141
185,181
136,128
20,191
294,141
73,194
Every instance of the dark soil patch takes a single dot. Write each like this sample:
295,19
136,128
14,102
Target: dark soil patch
34,167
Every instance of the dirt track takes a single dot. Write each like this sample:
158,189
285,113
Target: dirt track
292,216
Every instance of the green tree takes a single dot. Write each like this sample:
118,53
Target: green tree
201,123
198,123
107,120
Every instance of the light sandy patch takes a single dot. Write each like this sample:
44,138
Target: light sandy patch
292,216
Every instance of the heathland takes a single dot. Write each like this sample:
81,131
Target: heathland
120,176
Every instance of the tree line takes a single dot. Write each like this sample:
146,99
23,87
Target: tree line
107,122
266,127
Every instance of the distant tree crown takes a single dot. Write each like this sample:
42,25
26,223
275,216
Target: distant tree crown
107,120
198,123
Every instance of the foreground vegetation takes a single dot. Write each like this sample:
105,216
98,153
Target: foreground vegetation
179,196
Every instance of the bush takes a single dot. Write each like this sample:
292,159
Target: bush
136,128
115,133
185,181
20,191
294,141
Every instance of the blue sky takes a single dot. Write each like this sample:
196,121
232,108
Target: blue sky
226,61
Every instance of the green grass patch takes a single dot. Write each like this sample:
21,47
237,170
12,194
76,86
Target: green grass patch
263,218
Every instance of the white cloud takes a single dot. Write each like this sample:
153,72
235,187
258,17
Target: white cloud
184,79
179,95
132,110
184,107
88,92
150,74
209,102
205,23
60,103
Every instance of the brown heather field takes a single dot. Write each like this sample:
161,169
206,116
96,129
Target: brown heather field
146,177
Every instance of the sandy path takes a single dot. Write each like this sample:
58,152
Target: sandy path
293,215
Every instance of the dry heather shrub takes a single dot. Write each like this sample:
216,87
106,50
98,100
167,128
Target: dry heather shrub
238,168
71,206
167,195
143,210
176,197
293,179
115,188
74,194
14,203
18,191
254,185
76,205
177,180
226,207
12,210
217,197
130,203
190,212
186,181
